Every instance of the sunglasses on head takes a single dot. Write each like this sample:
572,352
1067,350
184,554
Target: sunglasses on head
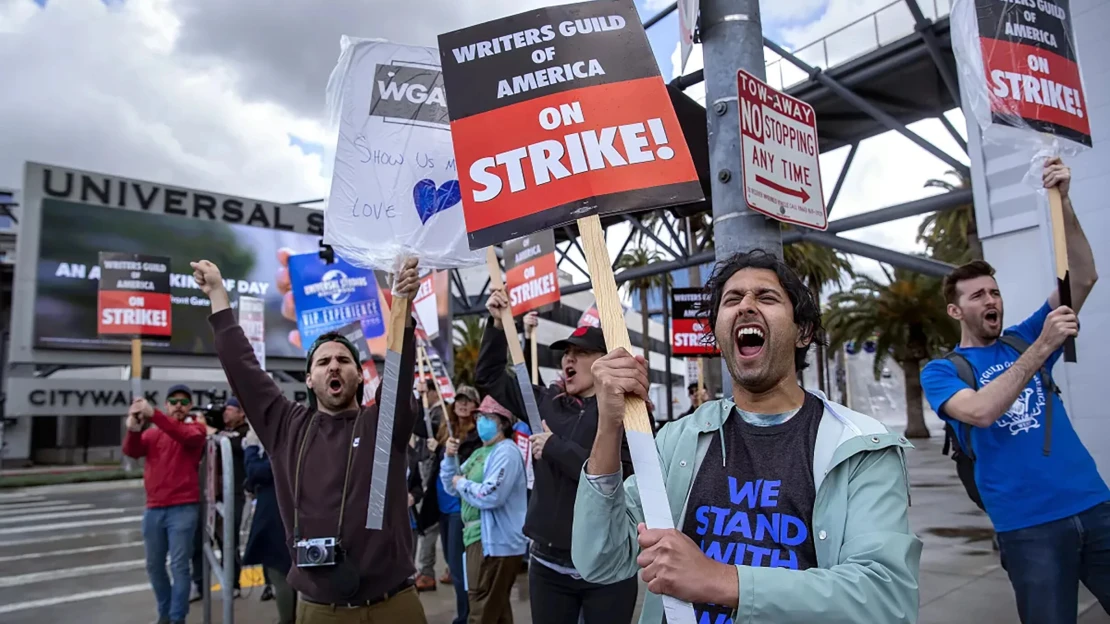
179,401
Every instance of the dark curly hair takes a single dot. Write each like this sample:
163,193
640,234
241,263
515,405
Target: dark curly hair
807,314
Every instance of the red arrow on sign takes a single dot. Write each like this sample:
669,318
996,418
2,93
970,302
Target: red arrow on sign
799,193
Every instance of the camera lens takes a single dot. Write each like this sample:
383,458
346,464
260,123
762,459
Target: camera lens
314,554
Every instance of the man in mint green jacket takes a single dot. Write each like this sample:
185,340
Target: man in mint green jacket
789,508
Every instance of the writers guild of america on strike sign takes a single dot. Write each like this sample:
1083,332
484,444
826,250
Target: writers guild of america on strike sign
778,139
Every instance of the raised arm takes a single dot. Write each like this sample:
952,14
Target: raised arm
491,376
980,408
1081,260
266,407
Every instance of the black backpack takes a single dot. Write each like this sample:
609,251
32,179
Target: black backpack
954,445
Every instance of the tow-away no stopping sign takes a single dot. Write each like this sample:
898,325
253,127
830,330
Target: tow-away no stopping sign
778,138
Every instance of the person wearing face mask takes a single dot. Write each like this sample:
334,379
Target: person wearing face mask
322,456
568,409
492,487
172,446
789,508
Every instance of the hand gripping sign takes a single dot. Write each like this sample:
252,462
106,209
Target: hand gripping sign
558,115
1020,77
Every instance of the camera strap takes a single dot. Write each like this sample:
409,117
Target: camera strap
297,477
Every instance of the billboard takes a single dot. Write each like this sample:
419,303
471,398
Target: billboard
70,216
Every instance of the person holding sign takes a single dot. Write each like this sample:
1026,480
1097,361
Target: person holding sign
321,459
1029,469
557,590
790,508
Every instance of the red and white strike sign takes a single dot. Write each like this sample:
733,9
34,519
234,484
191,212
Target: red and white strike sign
778,139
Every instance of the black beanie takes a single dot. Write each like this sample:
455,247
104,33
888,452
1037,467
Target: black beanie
332,337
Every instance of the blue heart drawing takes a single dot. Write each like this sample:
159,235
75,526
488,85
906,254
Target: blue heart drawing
429,200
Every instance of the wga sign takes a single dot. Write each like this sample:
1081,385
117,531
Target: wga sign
335,287
411,95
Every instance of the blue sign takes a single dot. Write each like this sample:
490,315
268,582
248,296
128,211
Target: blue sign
330,296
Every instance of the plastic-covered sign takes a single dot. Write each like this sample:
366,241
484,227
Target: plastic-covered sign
1020,70
329,296
395,189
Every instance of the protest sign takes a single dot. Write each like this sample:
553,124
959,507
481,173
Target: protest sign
370,383
1021,80
252,318
425,304
355,333
434,368
590,318
550,81
778,136
329,296
516,351
690,331
134,296
1021,67
395,189
134,300
524,443
531,272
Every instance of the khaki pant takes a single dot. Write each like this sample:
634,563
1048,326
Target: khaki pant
490,581
404,608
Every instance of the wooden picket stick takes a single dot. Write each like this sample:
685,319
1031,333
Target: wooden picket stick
515,350
1060,251
425,366
637,426
535,358
137,367
701,377
399,312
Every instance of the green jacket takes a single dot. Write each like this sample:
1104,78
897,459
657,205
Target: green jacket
867,557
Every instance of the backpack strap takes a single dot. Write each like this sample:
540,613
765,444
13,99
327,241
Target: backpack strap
966,374
1017,343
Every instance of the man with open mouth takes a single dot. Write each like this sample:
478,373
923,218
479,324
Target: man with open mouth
789,507
322,456
1016,450
557,592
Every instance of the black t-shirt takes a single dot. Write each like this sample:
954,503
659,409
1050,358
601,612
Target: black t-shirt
753,505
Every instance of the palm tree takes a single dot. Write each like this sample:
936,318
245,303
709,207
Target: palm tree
906,318
467,343
818,266
641,257
952,235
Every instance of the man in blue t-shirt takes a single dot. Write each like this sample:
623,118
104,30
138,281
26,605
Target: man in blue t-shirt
1047,501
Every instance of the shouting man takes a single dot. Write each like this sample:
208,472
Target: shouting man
322,455
789,508
1031,473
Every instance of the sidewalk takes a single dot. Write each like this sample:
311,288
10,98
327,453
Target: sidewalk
961,578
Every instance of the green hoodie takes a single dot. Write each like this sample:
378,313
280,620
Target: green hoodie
867,557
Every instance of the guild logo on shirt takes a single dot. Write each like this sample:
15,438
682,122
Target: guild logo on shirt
355,443
1022,415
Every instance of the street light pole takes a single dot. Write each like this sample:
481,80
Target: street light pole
732,39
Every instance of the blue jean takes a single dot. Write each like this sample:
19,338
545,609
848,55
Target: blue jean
1047,562
451,537
169,531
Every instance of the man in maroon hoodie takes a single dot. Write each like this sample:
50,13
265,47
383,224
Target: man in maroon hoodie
322,456
172,447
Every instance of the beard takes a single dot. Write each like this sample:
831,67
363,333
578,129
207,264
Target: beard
338,402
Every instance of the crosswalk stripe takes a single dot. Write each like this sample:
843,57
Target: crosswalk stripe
70,551
45,503
4,511
65,538
49,602
65,514
19,498
67,525
67,573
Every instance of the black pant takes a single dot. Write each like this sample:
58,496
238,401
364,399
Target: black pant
558,599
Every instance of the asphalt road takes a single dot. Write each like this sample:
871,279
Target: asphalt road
883,398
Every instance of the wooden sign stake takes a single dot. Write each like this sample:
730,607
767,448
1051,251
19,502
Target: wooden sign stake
701,376
535,358
1060,249
515,350
637,427
387,409
426,367
443,405
137,368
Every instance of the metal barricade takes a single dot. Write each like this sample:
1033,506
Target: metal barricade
218,452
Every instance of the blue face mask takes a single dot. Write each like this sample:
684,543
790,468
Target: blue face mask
488,428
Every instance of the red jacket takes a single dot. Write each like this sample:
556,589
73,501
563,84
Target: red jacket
173,451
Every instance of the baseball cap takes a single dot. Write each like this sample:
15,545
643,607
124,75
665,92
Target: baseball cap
331,337
586,338
469,393
233,402
180,389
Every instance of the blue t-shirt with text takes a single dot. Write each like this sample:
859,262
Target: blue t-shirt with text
1019,485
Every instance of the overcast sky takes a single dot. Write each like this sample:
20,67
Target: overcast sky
228,95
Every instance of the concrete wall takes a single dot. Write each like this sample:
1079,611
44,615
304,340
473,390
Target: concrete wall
1013,223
